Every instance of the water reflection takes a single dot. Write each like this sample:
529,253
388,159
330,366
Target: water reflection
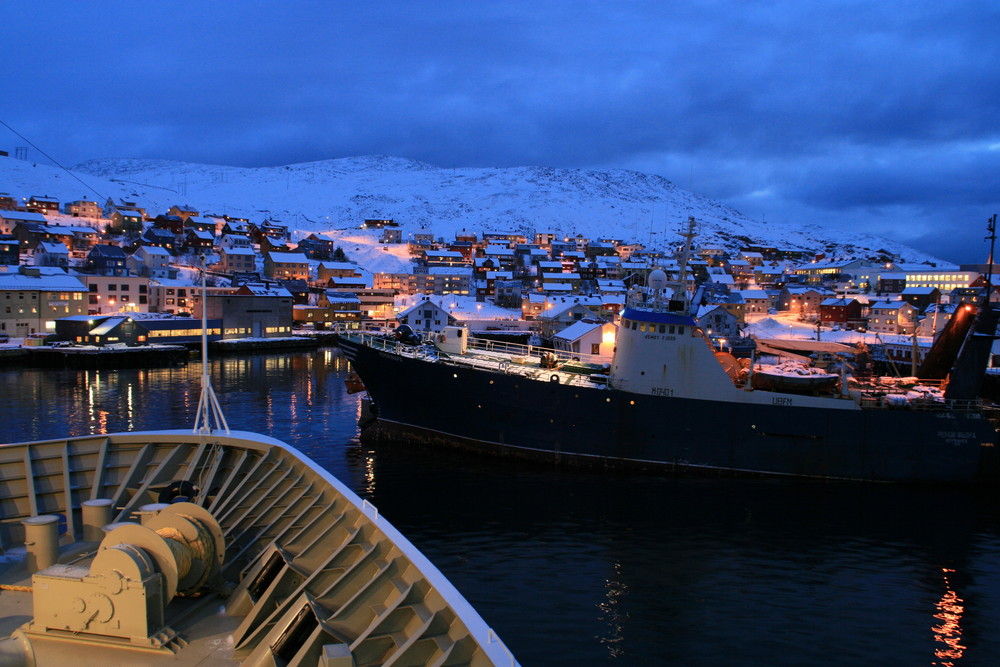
949,631
614,613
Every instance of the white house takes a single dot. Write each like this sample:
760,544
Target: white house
589,336
51,253
895,317
426,316
150,261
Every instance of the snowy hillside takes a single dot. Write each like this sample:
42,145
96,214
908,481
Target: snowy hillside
335,196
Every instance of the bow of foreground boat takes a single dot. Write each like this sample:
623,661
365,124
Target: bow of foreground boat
195,548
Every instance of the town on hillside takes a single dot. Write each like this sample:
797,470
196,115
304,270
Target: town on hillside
92,274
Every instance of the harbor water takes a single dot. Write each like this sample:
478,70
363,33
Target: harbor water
590,568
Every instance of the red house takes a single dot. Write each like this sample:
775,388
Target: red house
845,312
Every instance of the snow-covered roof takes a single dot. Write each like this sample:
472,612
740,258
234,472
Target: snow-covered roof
449,271
890,305
919,291
578,330
420,304
107,325
258,289
754,294
47,282
238,250
288,257
704,310
341,297
153,250
351,281
53,248
338,266
23,216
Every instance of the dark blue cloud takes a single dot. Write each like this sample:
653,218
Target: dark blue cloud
848,111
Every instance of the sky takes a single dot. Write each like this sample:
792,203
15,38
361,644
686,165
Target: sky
874,116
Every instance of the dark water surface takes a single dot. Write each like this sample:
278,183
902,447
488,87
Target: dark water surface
574,568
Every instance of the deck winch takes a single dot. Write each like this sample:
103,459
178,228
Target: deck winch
136,571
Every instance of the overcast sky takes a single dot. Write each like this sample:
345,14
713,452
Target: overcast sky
880,116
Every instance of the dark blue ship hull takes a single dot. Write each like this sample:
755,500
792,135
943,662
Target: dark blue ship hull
437,403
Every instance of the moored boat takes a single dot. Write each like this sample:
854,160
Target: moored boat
665,400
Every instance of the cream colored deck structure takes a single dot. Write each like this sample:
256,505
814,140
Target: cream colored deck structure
189,548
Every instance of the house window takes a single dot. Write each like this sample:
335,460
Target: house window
112,287
595,348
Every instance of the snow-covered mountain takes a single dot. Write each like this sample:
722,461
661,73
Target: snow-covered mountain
335,196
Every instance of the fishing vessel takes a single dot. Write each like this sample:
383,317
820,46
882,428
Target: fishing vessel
212,547
666,401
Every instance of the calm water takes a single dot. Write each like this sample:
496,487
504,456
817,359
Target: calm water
583,568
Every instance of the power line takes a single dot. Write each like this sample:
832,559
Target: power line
86,185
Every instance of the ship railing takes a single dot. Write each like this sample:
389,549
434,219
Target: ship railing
898,401
643,300
533,352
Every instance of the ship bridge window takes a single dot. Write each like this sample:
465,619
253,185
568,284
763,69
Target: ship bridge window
671,329
680,330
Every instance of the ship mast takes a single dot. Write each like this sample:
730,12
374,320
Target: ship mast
682,262
208,405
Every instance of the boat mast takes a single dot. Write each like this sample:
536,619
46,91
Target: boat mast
208,405
991,227
682,262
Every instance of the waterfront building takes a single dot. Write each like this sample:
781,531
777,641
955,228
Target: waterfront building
32,298
114,293
253,309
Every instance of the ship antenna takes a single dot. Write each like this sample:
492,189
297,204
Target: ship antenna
208,405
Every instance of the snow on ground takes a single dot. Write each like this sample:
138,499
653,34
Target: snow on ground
787,326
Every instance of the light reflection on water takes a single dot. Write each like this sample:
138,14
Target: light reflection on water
949,630
574,567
